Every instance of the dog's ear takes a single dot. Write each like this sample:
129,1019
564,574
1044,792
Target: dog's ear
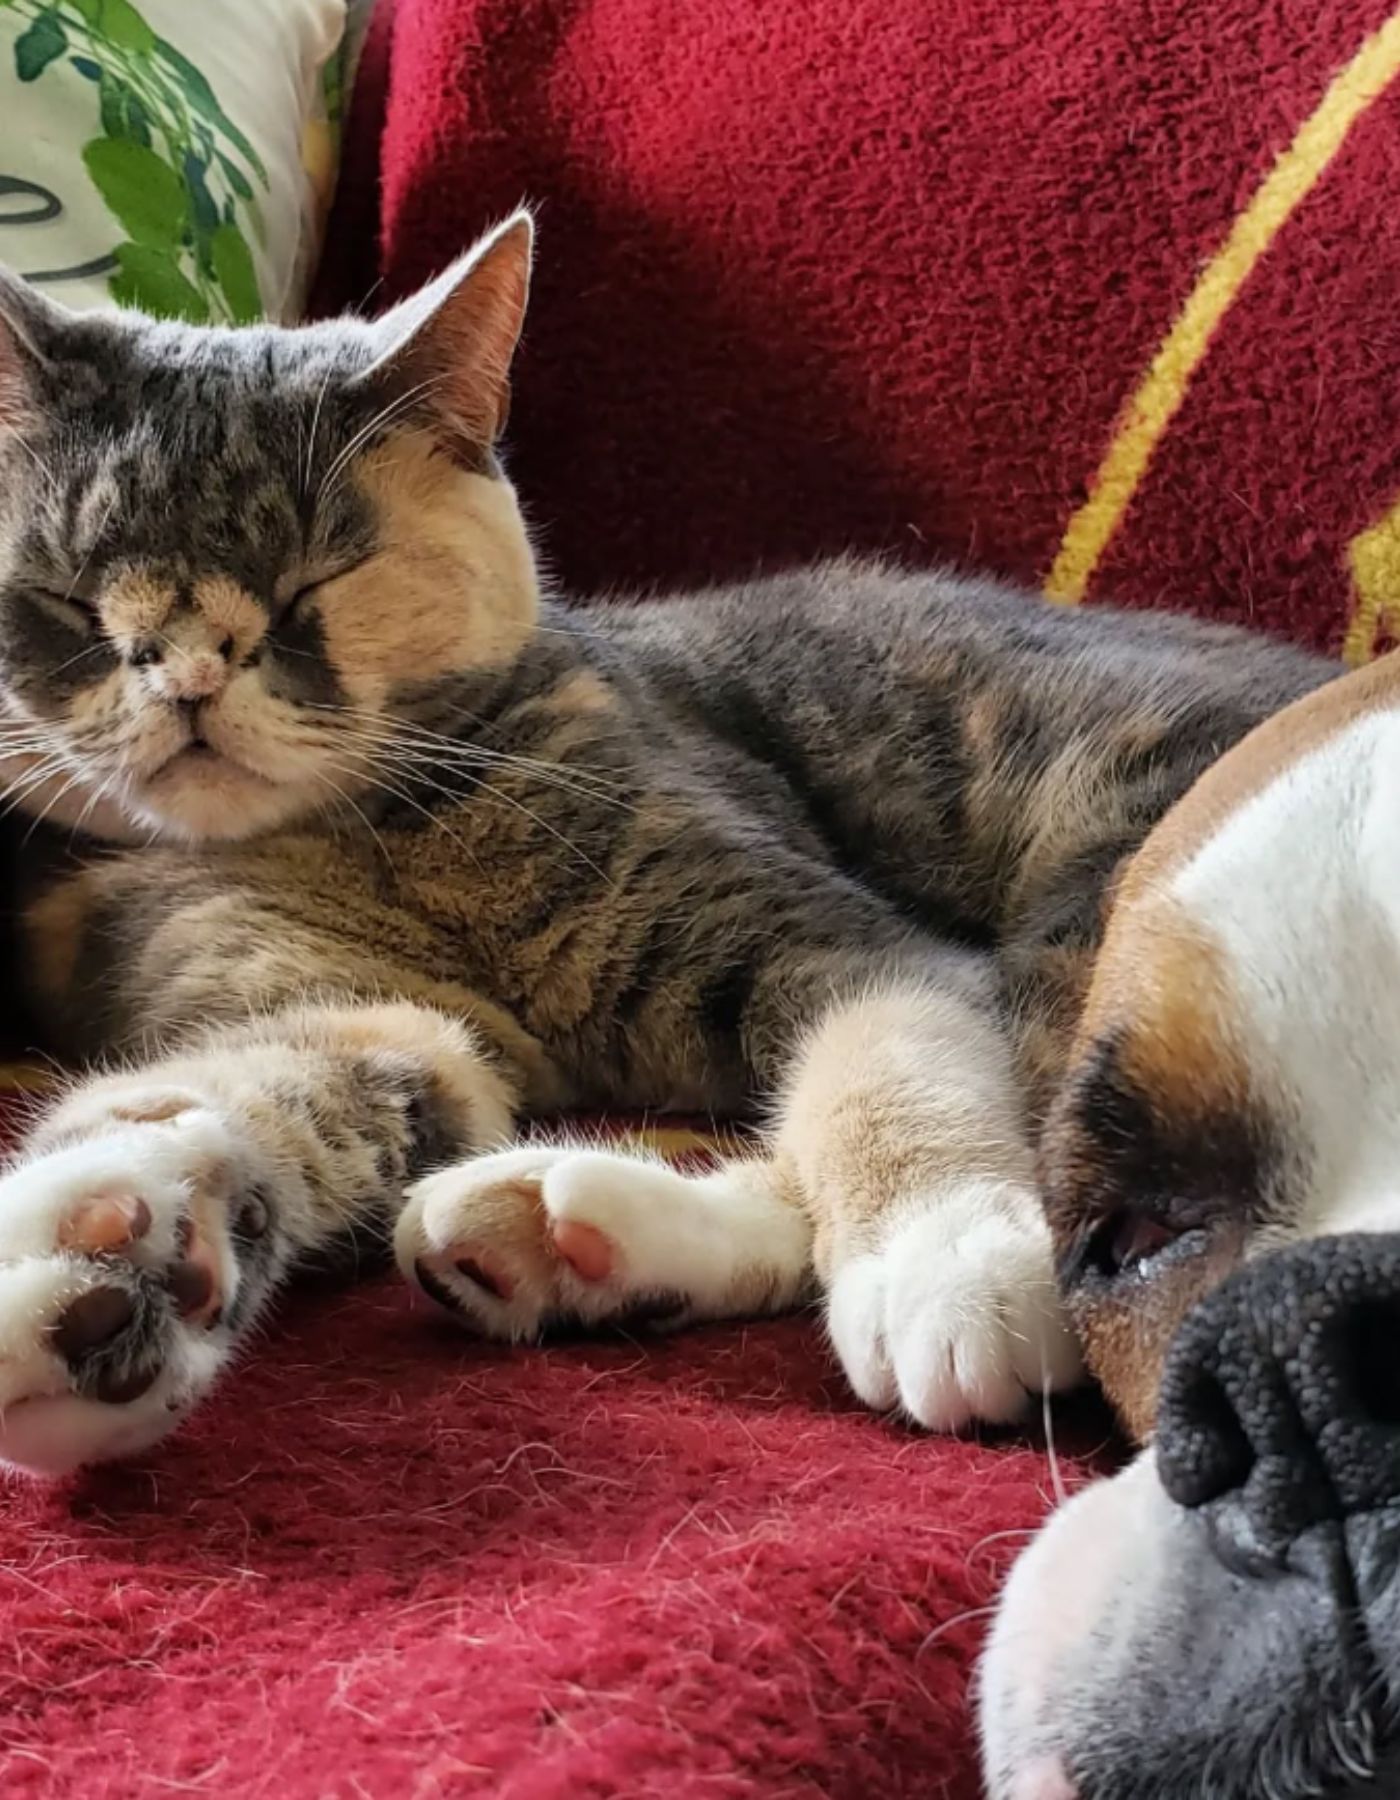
452,342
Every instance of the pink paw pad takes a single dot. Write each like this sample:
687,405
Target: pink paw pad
105,1223
590,1255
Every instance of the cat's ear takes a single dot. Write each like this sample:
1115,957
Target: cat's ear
453,341
27,324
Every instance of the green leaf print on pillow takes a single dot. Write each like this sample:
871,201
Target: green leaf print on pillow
119,22
146,194
234,267
201,97
43,43
151,280
171,167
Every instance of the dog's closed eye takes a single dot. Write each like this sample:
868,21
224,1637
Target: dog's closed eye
1130,1241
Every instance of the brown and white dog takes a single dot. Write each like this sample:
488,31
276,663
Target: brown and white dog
1223,1177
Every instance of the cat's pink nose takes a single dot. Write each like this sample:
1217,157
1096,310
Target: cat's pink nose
195,677
181,675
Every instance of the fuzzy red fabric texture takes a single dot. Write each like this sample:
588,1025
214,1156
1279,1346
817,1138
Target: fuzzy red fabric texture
855,273
386,1561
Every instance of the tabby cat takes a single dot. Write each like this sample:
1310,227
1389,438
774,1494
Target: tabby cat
357,850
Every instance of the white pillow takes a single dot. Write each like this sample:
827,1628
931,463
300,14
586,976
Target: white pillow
178,155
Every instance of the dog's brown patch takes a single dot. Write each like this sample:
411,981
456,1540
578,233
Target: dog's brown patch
1256,762
1164,1109
1126,1335
1163,987
1162,1115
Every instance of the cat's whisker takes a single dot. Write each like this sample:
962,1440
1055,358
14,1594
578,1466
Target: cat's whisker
82,656
310,460
420,770
397,793
76,749
410,758
289,650
476,747
27,746
104,790
16,721
41,468
443,751
559,631
544,824
396,732
12,799
488,792
40,755
345,799
434,744
74,780
401,403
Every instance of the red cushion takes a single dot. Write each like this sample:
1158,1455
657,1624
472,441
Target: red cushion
885,273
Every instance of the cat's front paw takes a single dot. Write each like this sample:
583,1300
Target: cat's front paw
954,1318
128,1246
519,1241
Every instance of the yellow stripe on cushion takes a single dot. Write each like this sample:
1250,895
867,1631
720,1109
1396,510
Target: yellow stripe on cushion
1375,573
1145,419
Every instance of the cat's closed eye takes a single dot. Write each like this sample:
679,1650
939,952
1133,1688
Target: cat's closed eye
310,587
299,598
68,607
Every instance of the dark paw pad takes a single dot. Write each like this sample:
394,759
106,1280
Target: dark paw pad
110,1338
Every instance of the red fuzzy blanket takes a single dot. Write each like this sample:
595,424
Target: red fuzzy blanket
388,1562
1100,292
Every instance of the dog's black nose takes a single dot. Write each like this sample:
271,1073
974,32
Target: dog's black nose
1280,1400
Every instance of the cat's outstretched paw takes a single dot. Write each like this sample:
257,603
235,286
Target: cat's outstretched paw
124,1262
955,1317
521,1241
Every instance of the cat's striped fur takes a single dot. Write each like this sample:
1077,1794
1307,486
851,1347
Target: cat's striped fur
433,853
